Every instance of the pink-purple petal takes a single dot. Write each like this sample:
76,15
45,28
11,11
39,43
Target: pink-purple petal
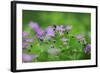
25,34
28,57
33,25
87,48
50,31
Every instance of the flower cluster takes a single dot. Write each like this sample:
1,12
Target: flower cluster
50,35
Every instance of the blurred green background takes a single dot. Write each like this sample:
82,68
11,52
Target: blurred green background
81,22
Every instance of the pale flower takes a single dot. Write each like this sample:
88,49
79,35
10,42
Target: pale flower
79,37
53,51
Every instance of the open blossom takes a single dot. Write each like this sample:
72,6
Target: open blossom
79,37
39,33
36,28
60,28
28,57
25,34
49,31
87,48
68,27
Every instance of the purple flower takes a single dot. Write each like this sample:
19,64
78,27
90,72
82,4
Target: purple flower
68,27
29,40
34,25
79,37
25,34
39,33
87,48
24,45
60,28
36,28
50,31
28,57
